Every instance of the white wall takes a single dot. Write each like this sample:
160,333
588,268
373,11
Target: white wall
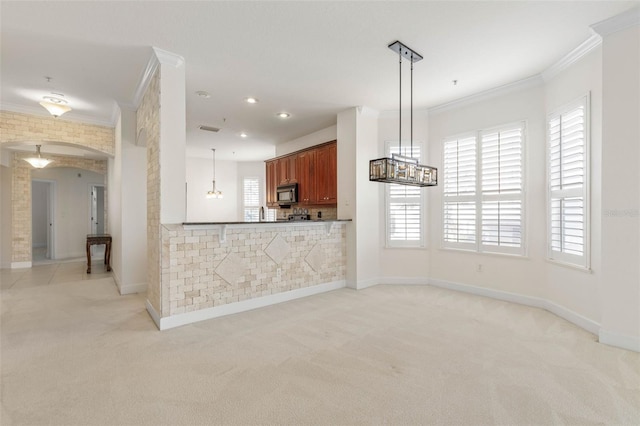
5,217
199,177
403,262
521,275
72,213
620,286
127,206
321,136
39,194
574,289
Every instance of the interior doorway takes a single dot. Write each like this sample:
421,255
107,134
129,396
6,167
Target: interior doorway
43,194
97,208
96,211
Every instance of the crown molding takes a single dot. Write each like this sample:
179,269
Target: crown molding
158,56
526,83
572,57
70,116
366,111
145,79
391,114
168,58
617,23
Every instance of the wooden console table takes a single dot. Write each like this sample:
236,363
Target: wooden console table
97,239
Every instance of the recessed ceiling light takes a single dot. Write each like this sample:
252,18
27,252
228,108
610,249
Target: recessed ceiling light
203,94
243,135
251,100
283,114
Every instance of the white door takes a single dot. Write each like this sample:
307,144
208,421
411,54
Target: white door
97,217
97,209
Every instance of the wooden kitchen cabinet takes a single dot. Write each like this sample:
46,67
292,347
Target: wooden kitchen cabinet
272,183
315,171
306,174
287,169
327,174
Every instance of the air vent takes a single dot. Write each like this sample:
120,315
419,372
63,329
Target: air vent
209,128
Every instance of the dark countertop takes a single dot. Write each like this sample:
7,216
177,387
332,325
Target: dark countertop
277,222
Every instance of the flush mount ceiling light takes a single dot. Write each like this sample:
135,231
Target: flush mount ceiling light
214,193
251,100
283,114
243,135
56,105
400,169
38,162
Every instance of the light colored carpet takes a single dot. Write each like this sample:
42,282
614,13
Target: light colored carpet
78,353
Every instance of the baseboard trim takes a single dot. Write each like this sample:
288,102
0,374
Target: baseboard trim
619,340
571,316
155,316
536,302
19,265
133,288
404,280
128,288
246,305
371,282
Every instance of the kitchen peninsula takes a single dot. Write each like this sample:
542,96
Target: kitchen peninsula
221,268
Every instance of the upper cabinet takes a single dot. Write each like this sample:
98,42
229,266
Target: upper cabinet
315,171
327,174
287,169
306,172
272,183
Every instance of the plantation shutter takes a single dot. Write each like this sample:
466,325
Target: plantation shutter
502,189
459,209
251,197
568,184
405,216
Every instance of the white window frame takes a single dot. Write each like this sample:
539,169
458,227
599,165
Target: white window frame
584,261
389,243
479,197
245,206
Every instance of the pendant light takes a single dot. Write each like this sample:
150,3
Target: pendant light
38,162
401,169
214,193
55,105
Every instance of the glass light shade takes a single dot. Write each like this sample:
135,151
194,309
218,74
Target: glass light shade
214,193
55,109
403,171
38,162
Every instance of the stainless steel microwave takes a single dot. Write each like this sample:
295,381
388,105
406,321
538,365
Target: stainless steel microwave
287,194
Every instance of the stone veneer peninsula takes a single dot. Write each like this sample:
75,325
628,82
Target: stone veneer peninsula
215,269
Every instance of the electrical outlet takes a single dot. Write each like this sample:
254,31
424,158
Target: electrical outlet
479,267
279,273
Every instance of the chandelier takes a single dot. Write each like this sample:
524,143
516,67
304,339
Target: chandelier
401,169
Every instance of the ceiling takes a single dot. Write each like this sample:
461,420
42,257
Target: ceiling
311,59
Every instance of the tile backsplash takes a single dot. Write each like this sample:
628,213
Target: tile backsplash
328,213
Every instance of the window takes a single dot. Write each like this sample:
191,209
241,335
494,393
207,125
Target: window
483,199
405,212
568,183
251,199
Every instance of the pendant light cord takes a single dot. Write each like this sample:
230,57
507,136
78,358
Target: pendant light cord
412,105
400,104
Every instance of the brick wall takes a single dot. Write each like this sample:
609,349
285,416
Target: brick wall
148,121
24,128
21,197
200,271
18,127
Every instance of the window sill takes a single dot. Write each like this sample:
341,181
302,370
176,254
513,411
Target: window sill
484,253
570,266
